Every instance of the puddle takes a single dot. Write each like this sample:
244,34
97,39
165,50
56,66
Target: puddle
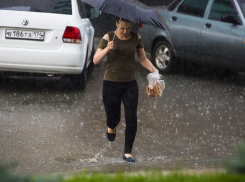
98,155
65,160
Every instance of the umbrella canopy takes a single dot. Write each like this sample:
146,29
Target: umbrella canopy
131,10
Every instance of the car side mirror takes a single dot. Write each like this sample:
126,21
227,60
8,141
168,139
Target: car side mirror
230,19
95,13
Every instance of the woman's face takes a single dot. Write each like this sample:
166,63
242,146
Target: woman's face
124,28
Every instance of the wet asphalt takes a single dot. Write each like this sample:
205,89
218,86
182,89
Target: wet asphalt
49,127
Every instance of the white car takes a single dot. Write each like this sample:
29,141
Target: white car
52,38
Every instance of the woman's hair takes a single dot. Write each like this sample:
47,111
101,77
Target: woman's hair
122,19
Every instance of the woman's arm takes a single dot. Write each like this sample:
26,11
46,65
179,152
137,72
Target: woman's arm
143,59
101,53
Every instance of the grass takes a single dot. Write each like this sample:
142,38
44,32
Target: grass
153,176
157,177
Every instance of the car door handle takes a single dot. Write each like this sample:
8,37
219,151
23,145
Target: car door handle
174,18
208,25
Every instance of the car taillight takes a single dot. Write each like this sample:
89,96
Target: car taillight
72,35
141,25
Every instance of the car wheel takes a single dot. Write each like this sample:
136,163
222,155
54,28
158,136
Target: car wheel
91,64
83,79
163,57
79,81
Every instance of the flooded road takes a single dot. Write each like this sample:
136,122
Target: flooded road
48,127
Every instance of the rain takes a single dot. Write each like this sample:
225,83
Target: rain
48,127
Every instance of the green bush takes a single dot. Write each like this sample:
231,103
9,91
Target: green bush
7,176
236,165
157,177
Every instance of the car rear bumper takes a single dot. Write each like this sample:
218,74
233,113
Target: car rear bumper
69,59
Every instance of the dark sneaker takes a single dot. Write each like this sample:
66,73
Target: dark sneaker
129,159
111,136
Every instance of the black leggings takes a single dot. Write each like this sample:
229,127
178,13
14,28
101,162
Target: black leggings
126,92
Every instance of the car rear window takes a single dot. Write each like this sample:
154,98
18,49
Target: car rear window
221,7
44,6
193,7
156,2
173,5
242,4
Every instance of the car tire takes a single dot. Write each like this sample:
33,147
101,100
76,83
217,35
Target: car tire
91,64
83,79
163,57
79,81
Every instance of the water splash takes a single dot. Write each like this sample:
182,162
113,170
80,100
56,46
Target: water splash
95,158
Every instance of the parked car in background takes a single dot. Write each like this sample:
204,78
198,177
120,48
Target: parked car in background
203,31
55,39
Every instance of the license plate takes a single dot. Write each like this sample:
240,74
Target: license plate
24,34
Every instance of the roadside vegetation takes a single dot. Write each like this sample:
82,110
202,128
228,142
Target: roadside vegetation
236,165
235,172
158,177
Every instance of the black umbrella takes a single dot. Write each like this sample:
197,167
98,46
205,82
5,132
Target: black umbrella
131,10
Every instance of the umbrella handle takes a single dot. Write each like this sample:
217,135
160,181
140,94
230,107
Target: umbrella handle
116,29
115,35
114,49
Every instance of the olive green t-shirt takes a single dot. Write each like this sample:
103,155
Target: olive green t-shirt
121,63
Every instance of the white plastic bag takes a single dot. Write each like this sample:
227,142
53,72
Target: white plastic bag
155,85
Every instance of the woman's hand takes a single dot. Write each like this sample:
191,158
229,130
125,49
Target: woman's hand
101,53
111,45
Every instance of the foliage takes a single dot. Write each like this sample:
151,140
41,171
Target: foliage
237,165
157,177
7,176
